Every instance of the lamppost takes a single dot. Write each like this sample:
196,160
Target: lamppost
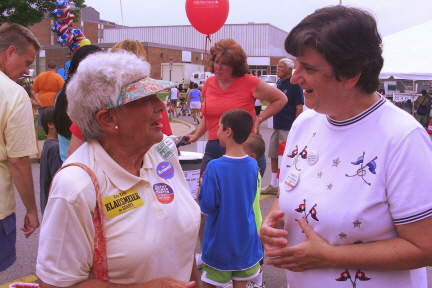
170,67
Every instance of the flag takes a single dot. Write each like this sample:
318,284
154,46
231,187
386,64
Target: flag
359,161
293,154
313,213
344,276
361,276
372,166
301,208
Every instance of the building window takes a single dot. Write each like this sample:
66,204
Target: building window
273,70
258,70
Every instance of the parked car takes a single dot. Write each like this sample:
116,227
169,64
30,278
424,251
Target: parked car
200,77
269,79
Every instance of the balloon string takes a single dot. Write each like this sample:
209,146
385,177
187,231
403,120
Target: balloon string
205,53
208,39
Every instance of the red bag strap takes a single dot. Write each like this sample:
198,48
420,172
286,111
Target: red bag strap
100,267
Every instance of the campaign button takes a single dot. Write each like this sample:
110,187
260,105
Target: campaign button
291,180
312,158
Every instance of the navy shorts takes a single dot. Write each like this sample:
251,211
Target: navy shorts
7,241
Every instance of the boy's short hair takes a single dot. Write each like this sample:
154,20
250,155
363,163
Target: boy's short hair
255,144
47,117
240,122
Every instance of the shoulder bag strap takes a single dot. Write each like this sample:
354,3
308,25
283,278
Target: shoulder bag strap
100,267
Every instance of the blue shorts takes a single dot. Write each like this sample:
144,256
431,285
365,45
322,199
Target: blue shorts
7,241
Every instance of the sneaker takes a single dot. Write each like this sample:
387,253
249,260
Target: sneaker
250,284
198,260
270,190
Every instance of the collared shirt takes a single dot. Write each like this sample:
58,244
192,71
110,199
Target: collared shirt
17,137
150,222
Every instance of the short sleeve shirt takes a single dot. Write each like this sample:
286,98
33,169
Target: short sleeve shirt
239,95
17,137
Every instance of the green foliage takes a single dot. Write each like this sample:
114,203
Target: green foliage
30,12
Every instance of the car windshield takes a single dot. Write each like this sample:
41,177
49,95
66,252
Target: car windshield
268,78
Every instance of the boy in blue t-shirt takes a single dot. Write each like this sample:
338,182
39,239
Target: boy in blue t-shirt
231,247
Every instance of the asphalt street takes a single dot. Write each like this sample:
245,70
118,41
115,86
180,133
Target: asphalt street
25,266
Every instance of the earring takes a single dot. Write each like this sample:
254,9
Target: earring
116,127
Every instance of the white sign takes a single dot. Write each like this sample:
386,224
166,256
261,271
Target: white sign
192,178
401,97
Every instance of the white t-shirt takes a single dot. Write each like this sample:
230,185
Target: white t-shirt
357,179
146,242
174,93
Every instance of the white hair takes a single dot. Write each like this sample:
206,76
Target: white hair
98,80
288,62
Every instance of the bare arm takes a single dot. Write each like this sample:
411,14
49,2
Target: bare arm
274,96
166,282
410,250
202,128
194,275
272,229
35,102
22,176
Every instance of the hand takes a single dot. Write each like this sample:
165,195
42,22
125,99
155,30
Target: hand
167,282
310,254
31,222
190,140
257,124
272,231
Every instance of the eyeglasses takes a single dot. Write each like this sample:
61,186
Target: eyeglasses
220,64
279,66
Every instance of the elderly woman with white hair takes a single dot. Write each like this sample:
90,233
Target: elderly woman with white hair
120,213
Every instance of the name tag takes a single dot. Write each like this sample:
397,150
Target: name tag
122,202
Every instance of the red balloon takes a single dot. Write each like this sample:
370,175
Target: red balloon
207,16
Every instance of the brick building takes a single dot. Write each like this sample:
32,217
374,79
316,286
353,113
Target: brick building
263,43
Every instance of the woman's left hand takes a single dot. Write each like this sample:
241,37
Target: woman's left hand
257,124
313,253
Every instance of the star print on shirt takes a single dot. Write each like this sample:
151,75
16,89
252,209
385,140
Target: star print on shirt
314,134
330,186
320,174
357,223
336,162
343,235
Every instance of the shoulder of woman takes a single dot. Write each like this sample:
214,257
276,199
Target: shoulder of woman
251,78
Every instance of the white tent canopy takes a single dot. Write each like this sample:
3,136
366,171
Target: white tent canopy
408,53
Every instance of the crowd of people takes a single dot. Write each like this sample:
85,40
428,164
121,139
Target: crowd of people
117,210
